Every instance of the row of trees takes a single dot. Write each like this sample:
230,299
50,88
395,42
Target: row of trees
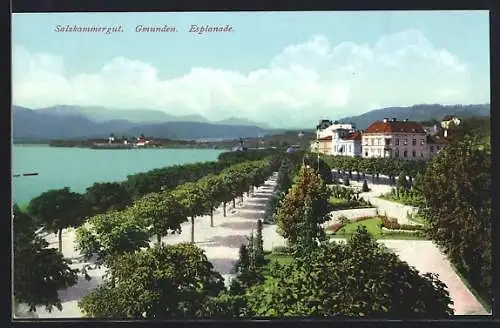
457,208
39,272
168,178
159,214
391,167
287,172
360,278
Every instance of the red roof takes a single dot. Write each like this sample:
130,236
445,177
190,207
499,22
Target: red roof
353,136
325,138
398,126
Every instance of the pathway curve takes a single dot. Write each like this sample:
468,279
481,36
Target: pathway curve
221,244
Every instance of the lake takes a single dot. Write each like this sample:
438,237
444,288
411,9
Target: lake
79,168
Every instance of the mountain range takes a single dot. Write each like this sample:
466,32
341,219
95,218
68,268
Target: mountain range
76,122
421,112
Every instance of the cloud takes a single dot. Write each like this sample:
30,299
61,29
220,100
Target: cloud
301,84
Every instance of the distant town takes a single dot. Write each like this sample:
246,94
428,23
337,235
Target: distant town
408,140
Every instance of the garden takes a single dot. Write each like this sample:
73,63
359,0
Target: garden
379,227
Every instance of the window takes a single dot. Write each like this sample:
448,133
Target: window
437,147
349,148
378,152
387,142
372,142
432,149
421,154
366,154
405,142
405,154
380,141
396,153
414,142
397,141
422,142
414,153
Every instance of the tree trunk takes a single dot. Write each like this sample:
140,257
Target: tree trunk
59,236
192,229
224,206
234,202
158,239
211,216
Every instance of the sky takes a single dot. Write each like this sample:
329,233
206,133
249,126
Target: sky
285,69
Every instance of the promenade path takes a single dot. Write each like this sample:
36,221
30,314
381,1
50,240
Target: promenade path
221,244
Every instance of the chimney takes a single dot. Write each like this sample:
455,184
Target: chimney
385,120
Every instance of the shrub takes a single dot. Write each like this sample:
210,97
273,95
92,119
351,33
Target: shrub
365,187
346,182
343,219
335,227
393,224
282,250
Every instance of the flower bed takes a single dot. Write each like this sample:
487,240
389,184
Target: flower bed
337,226
392,224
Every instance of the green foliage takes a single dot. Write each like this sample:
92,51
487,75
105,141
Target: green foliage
110,234
107,196
365,188
162,212
58,209
308,189
387,166
457,190
174,281
259,245
38,272
360,278
347,182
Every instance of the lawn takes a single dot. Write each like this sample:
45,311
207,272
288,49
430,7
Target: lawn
271,258
373,227
341,204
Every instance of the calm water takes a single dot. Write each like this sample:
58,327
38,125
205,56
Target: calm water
79,168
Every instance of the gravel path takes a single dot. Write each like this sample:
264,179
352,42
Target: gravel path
221,244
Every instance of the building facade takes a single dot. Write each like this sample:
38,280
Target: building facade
346,143
324,145
327,128
406,140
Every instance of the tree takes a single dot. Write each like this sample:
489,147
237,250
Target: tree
173,281
346,182
259,245
457,191
162,212
401,183
39,272
214,189
193,200
309,188
360,278
365,188
59,209
108,196
110,234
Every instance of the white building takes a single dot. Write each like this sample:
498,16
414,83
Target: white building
326,128
392,138
449,121
346,143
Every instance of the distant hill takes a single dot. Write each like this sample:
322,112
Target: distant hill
417,113
102,114
62,123
243,121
